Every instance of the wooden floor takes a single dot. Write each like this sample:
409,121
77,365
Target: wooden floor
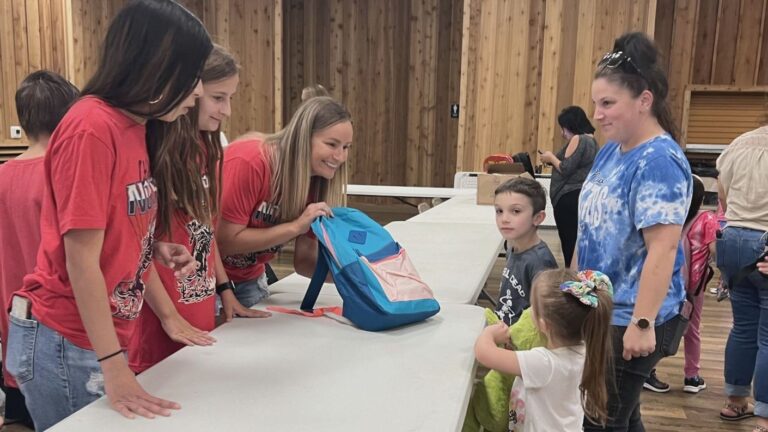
673,411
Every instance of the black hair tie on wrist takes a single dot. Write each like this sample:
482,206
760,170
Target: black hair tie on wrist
109,356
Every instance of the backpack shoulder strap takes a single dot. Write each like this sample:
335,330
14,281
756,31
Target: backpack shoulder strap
318,278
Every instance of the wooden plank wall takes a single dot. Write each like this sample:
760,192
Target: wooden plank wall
395,65
716,42
528,59
30,39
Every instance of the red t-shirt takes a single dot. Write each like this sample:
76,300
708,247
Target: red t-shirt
97,177
245,200
192,295
22,183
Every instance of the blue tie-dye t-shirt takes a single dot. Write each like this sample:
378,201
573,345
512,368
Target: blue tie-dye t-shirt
624,193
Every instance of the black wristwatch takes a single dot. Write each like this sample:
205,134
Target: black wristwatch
228,285
643,323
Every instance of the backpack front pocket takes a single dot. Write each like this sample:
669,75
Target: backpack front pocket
398,277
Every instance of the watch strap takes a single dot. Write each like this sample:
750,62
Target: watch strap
228,285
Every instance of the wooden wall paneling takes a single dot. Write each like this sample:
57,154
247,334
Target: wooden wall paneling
250,31
20,40
293,50
725,46
277,63
470,30
32,35
377,45
447,80
8,68
5,103
762,71
680,67
565,87
508,83
452,136
637,14
747,44
244,98
533,72
604,32
485,92
650,20
664,22
515,127
336,48
352,88
421,19
586,59
703,55
47,33
550,73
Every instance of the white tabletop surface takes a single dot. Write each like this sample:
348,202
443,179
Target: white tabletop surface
463,208
402,191
453,259
291,373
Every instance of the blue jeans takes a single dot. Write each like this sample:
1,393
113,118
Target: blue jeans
746,353
56,377
250,292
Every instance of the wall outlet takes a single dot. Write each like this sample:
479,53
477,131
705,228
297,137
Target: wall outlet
16,132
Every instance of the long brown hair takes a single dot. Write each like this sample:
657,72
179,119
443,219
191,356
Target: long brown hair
290,157
177,160
570,321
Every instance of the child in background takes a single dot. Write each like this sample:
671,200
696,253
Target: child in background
41,101
192,225
519,205
554,390
699,235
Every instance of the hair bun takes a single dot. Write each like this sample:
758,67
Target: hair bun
313,91
639,47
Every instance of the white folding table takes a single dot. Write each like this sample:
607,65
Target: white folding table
295,373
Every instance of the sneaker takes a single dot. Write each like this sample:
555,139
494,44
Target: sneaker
694,384
653,383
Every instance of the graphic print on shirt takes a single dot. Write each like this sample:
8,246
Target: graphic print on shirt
264,216
201,284
506,308
128,296
141,195
516,410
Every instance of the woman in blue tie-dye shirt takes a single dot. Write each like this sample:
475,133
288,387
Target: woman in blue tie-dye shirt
631,211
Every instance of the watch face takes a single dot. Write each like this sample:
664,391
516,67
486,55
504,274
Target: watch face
643,323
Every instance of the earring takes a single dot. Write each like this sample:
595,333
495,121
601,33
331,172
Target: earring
152,102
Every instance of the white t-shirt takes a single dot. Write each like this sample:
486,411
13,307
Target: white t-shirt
546,397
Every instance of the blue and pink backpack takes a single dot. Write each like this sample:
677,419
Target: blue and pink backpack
378,284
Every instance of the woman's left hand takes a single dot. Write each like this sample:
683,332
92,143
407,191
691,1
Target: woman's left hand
548,157
762,266
638,343
176,257
181,331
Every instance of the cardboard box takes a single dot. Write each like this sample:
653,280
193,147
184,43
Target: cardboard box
487,184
